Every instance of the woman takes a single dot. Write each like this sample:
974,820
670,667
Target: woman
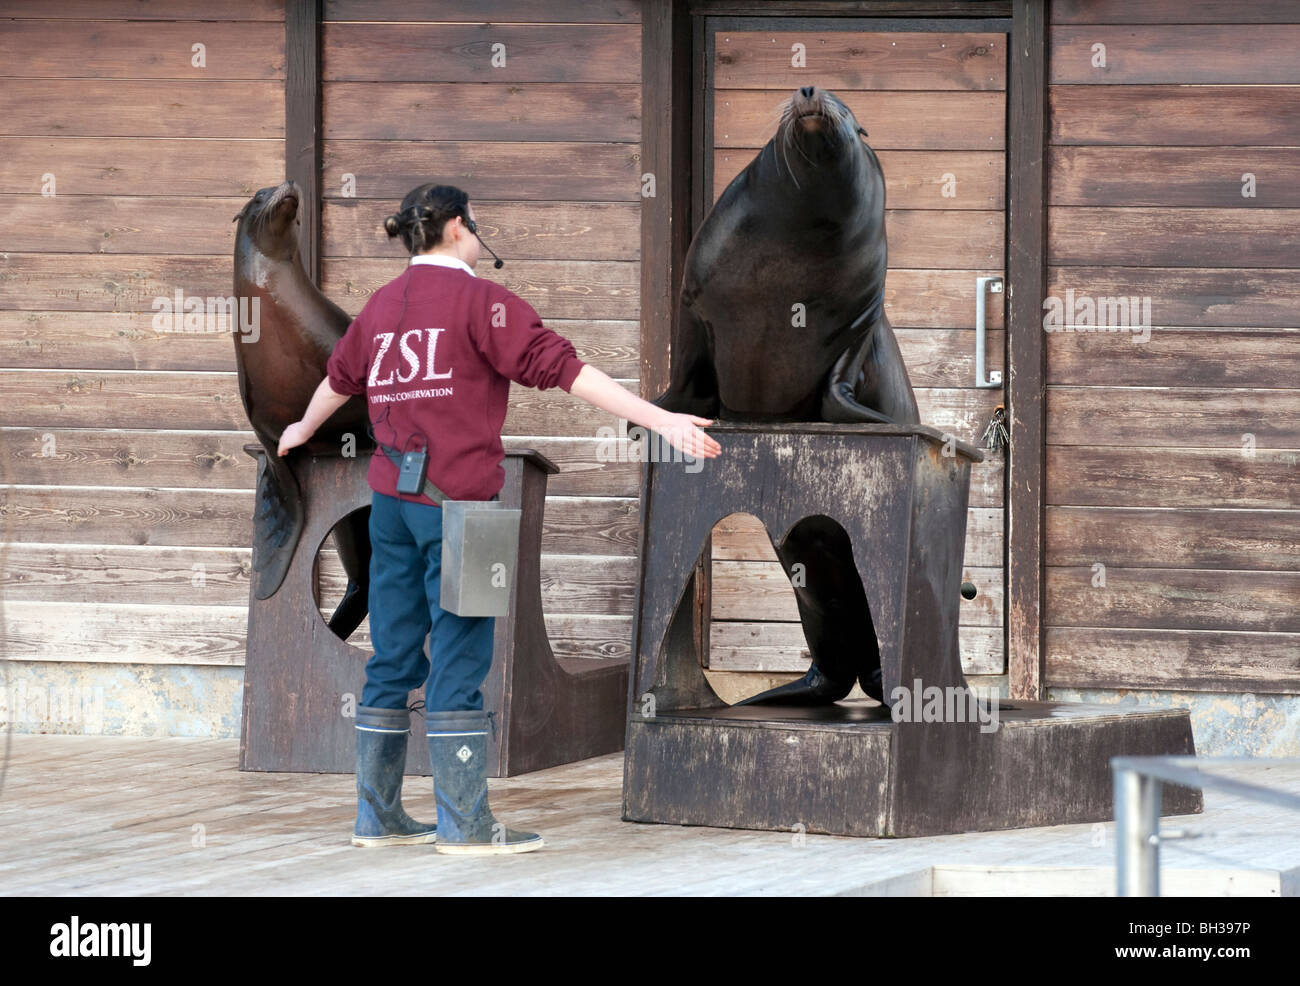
435,350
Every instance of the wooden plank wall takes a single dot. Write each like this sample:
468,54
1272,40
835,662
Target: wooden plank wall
1175,462
934,105
547,146
130,521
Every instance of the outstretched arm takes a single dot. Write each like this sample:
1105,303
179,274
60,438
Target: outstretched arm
323,403
681,431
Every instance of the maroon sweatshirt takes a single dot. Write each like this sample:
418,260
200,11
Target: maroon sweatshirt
441,369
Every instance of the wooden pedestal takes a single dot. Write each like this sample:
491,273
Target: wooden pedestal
549,711
900,493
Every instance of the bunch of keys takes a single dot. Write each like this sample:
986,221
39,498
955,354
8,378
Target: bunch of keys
995,435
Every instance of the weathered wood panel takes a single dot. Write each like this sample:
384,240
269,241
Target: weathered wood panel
1175,176
1133,237
1209,116
758,591
502,11
1177,599
913,179
1174,52
481,111
1143,537
916,121
144,10
1182,660
781,647
449,52
171,108
99,49
1174,12
223,518
742,537
69,224
1204,357
1174,417
877,60
1174,477
152,166
549,170
1192,296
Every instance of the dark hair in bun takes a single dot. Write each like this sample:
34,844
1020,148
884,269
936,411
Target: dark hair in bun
424,212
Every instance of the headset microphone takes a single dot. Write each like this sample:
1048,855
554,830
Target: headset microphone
473,228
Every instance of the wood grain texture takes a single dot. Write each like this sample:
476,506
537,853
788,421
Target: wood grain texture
1084,475
1177,53
200,108
73,224
1162,237
857,60
1144,537
1173,12
755,590
1211,116
502,11
547,170
482,111
1173,417
449,52
523,230
1026,413
1263,358
970,121
1174,176
752,646
97,49
145,10
1185,296
913,179
598,525
1175,599
742,537
1182,660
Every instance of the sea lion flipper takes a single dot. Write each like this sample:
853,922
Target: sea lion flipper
692,382
352,540
277,522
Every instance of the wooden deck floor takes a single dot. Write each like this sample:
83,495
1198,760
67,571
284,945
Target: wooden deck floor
113,816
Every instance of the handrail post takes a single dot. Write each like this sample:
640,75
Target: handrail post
1137,825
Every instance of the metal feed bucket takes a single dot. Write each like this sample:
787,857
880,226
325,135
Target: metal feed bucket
480,552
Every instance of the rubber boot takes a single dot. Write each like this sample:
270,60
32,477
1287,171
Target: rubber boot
381,757
458,749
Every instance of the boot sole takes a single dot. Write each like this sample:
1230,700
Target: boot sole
485,848
379,841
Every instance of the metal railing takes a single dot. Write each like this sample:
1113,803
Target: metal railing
1138,785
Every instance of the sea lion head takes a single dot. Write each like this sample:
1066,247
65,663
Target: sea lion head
817,135
269,221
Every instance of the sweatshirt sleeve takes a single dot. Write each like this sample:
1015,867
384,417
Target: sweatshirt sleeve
348,363
510,335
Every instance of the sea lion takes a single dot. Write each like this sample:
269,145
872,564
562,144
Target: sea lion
781,318
280,366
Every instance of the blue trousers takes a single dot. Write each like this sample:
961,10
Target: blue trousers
405,570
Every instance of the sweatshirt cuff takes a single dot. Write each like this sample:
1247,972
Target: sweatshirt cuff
569,372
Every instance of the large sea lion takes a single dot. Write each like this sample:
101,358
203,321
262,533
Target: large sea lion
781,319
281,363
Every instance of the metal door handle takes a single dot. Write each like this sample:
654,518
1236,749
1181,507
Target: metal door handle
982,286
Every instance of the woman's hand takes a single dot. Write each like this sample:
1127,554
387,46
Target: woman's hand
682,432
293,436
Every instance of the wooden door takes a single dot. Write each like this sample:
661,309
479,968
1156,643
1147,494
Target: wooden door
932,97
